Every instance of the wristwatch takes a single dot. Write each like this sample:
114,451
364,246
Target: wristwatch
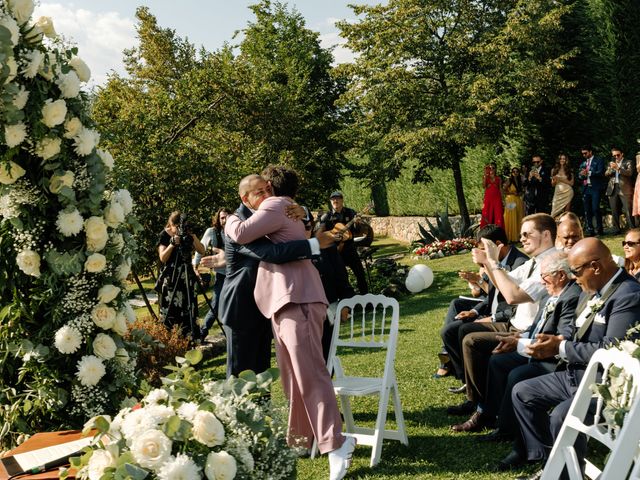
498,267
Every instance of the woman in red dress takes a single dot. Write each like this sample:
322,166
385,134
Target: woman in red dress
492,211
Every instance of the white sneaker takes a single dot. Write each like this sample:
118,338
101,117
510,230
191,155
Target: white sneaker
340,459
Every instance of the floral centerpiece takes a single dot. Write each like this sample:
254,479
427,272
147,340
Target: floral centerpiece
190,429
66,239
444,248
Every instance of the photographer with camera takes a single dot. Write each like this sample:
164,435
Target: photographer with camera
177,280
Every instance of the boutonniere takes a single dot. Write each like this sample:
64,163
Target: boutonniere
551,306
595,304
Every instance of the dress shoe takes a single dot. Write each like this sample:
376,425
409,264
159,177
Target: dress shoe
496,436
466,408
460,389
478,422
441,373
534,476
514,459
340,459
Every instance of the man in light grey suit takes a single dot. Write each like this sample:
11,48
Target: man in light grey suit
620,188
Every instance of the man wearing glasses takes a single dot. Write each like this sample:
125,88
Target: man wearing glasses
608,308
591,175
620,188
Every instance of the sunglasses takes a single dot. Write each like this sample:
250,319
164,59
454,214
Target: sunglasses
577,272
627,243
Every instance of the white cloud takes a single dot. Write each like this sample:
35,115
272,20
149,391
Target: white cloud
341,53
100,37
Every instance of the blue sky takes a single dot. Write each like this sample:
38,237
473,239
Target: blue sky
102,29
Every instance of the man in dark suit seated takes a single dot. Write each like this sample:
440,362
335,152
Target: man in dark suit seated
608,308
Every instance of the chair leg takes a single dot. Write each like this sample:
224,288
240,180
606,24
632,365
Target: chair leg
347,413
397,407
381,421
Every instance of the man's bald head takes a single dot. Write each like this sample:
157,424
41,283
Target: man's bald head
246,184
591,262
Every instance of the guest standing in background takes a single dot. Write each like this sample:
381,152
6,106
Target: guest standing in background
631,247
636,193
562,179
592,177
536,188
620,188
514,208
492,212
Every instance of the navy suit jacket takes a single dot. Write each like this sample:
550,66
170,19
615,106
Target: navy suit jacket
238,307
598,180
562,319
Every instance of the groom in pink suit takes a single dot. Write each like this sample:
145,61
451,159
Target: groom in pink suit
292,295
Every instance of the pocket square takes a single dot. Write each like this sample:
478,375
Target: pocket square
599,319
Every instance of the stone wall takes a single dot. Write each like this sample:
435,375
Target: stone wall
404,229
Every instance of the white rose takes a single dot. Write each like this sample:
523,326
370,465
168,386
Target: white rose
104,346
188,411
48,66
53,112
122,356
85,141
123,197
81,68
95,263
9,175
13,68
151,449
15,134
100,460
32,62
48,147
207,429
72,127
106,157
69,223
90,370
114,214
103,316
120,324
628,346
69,84
21,10
96,231
46,26
220,466
57,182
67,340
156,396
182,467
29,262
20,98
123,270
11,25
108,293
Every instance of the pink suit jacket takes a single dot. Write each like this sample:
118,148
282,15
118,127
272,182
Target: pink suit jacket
278,284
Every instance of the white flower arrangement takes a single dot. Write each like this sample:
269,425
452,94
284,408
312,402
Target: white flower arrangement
192,428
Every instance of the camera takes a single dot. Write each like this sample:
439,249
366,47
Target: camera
185,230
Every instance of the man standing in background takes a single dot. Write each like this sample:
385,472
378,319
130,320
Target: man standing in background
591,175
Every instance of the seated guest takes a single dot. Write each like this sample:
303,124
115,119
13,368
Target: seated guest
520,287
616,309
569,231
494,308
631,247
510,364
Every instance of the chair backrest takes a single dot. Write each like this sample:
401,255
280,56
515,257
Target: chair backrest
622,442
372,323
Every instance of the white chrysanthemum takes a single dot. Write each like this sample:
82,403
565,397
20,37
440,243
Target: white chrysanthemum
104,346
29,262
46,26
69,84
13,68
48,147
96,231
220,466
123,197
179,468
100,460
81,68
187,411
108,293
114,214
69,223
106,157
123,270
20,98
67,340
160,413
120,324
151,449
21,9
122,356
58,181
96,262
156,396
103,316
90,370
10,24
207,429
9,175
15,134
32,62
85,141
72,127
54,112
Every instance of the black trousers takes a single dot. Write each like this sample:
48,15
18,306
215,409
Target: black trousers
449,332
249,349
352,260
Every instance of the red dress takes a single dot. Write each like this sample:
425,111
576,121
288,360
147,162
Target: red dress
492,211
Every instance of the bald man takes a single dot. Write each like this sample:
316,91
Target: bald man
617,310
569,232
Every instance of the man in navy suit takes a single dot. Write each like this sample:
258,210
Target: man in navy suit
608,308
591,175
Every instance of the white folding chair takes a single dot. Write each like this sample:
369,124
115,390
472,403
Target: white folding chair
372,324
623,442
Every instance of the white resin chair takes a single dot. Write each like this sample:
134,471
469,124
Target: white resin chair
372,324
622,442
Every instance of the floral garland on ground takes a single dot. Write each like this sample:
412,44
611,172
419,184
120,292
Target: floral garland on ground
444,248
67,242
190,428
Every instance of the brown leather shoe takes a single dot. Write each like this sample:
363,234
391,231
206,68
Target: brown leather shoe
476,423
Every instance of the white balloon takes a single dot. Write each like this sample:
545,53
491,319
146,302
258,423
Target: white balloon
425,272
414,283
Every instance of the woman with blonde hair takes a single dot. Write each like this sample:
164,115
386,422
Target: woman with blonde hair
562,179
